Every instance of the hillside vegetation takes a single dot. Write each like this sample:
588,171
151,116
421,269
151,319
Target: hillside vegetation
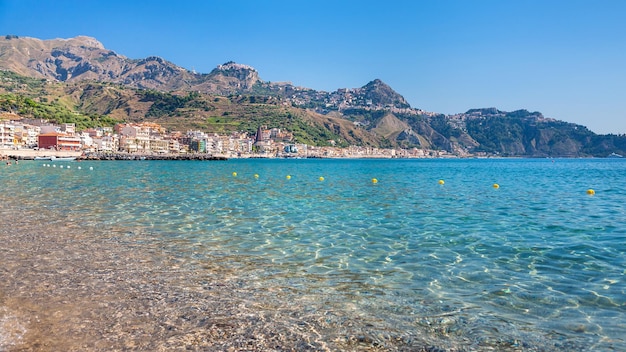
91,104
77,80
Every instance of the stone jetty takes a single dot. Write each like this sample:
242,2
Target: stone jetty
133,156
30,154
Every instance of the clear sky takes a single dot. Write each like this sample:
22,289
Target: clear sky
564,58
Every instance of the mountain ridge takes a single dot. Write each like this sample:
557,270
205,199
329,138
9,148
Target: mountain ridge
85,58
373,114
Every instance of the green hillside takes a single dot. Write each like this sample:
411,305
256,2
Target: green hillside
91,104
476,132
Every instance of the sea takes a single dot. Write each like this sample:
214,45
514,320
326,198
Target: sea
318,254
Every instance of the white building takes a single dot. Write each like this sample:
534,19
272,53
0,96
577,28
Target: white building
86,141
7,135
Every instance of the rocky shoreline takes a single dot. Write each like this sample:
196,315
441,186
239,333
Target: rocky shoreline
31,154
130,156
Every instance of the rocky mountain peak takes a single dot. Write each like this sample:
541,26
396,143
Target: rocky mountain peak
233,66
238,71
381,94
234,76
84,41
375,83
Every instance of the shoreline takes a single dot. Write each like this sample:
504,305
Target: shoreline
31,154
134,157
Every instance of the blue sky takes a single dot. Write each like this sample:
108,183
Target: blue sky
564,58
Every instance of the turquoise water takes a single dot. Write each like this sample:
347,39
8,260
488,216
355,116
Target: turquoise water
535,262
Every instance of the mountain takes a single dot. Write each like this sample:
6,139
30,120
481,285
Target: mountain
79,80
91,104
525,133
85,58
378,93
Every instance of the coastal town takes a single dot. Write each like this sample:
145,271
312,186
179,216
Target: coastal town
22,138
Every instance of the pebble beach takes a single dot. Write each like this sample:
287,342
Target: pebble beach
64,289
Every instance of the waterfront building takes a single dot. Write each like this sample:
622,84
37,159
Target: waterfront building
198,145
128,144
159,145
29,135
7,135
173,145
59,141
86,141
107,144
134,138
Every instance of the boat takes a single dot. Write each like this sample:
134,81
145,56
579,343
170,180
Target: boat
615,155
54,158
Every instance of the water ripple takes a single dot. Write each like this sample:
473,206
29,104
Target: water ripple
536,259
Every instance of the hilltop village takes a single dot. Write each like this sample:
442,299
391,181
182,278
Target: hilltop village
29,138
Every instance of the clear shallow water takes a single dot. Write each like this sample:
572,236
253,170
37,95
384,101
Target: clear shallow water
537,262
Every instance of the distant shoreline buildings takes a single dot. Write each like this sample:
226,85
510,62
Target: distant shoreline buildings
151,138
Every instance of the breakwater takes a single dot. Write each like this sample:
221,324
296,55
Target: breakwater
30,154
131,156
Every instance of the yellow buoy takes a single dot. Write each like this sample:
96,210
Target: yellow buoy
256,175
495,185
591,192
234,174
441,182
288,177
374,180
321,178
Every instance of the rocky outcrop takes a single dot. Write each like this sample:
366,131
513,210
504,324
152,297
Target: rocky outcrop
84,58
378,93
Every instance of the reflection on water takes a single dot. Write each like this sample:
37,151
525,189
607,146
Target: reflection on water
166,255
